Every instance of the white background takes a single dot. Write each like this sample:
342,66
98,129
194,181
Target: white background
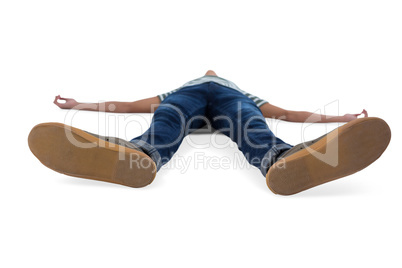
299,55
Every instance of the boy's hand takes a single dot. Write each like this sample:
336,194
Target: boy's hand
70,103
350,117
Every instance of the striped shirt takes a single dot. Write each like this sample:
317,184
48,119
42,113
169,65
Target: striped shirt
212,78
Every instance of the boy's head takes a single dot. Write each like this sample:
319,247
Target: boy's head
210,72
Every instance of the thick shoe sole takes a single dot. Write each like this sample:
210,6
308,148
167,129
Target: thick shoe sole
342,152
74,152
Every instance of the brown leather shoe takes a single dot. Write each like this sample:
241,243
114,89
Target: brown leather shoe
78,153
342,152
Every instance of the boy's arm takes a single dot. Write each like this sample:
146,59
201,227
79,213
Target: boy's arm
148,105
270,111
